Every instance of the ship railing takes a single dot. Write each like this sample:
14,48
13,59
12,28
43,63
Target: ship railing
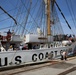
52,45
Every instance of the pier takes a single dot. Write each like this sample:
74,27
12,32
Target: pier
54,67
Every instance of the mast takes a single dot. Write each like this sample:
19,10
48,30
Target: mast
49,33
48,18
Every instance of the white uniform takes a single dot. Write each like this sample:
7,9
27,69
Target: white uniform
64,55
2,49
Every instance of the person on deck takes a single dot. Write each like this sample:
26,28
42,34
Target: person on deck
20,47
10,48
24,48
2,49
8,35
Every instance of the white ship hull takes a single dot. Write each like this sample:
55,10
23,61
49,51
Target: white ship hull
22,57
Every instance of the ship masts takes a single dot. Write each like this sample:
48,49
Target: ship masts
48,18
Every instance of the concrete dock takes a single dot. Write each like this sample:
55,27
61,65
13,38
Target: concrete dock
56,67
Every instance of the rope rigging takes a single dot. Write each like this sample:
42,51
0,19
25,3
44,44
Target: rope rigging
62,15
39,15
29,13
28,10
72,9
70,13
56,25
32,25
34,13
36,18
8,15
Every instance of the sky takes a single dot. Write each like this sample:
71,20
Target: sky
9,5
70,15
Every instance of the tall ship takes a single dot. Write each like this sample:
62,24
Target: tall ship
31,32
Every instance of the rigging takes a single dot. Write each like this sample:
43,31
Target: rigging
71,13
30,14
28,10
64,17
8,15
56,27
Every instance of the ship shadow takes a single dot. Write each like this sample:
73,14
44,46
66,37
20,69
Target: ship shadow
62,65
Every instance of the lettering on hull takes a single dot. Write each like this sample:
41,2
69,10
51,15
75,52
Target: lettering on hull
5,62
35,57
